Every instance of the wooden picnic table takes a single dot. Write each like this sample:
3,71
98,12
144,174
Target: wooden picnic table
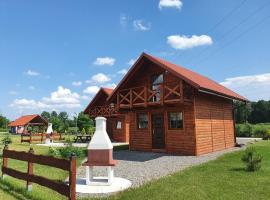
82,138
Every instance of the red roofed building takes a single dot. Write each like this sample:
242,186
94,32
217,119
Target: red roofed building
20,125
159,106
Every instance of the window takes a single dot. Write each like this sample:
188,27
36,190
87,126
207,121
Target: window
157,80
176,120
142,121
118,124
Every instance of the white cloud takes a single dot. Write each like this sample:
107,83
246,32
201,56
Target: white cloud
110,85
32,73
122,71
253,87
170,4
92,90
31,87
131,62
141,25
76,83
104,61
186,42
123,20
99,78
62,98
13,92
85,97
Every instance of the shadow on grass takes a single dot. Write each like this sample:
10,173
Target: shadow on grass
18,193
238,169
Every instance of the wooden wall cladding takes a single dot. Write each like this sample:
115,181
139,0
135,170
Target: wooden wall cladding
214,123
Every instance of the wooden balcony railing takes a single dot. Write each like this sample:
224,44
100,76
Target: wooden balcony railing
168,92
105,111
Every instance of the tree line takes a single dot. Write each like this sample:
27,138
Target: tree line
3,122
61,122
254,112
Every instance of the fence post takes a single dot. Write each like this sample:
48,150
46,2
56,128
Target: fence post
72,177
21,137
30,139
5,160
41,137
30,170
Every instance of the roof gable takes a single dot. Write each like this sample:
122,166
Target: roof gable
103,92
23,120
198,81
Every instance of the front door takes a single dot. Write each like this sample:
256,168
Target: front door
158,140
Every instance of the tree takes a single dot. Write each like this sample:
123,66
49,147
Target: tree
46,115
242,112
54,114
3,122
84,121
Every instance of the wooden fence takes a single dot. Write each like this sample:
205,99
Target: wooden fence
40,137
68,190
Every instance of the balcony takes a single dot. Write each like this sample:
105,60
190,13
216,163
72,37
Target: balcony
105,111
143,96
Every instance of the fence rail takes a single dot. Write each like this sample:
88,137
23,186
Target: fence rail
68,190
40,137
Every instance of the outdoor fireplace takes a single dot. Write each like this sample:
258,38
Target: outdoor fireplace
49,132
100,154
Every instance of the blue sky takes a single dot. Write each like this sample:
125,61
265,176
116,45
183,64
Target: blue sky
54,55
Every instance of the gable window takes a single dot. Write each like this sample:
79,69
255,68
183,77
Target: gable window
156,82
175,120
118,124
142,121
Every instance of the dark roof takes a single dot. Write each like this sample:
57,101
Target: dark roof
198,81
23,120
106,91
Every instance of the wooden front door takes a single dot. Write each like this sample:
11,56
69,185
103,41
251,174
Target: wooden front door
158,139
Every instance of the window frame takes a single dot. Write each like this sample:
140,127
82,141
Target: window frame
169,124
137,120
117,124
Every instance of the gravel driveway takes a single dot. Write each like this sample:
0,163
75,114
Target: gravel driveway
141,167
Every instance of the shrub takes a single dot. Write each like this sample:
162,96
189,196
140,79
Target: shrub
65,152
252,159
244,130
83,131
266,135
7,139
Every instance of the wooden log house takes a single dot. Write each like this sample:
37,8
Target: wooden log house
161,107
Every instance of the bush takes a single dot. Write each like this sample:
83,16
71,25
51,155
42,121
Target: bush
266,135
7,139
244,130
83,131
252,159
65,152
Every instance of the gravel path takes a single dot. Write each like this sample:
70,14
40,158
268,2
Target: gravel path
141,167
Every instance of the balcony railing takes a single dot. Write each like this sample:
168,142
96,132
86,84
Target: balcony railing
105,111
168,92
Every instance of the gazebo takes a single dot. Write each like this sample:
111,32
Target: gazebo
21,124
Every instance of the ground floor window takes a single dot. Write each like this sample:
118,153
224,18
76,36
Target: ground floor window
175,120
142,120
118,124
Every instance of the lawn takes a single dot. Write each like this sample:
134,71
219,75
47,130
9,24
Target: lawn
224,178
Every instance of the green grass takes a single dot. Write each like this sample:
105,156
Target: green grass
223,178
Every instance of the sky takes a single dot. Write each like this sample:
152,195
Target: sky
55,55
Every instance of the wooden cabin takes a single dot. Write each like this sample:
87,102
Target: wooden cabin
161,107
21,124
